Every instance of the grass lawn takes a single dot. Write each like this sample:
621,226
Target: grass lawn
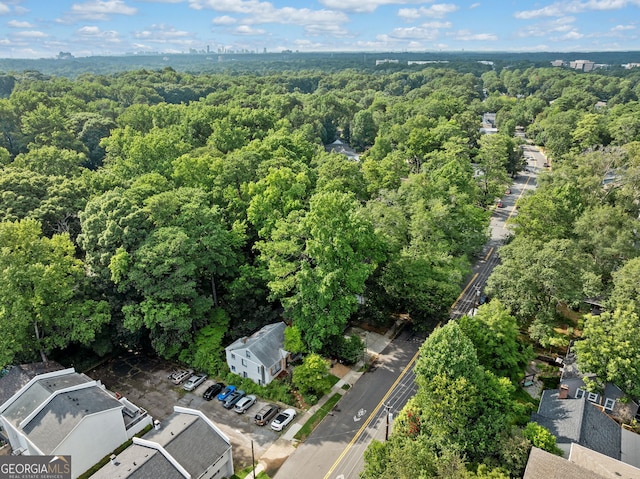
319,415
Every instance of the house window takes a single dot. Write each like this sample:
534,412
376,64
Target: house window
580,393
248,354
609,403
233,368
244,362
276,368
593,397
244,373
233,356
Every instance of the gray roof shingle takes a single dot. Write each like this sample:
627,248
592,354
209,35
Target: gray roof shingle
265,344
577,420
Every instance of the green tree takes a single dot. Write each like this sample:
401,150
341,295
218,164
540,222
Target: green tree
42,305
608,351
293,340
541,438
494,162
534,277
312,376
319,262
176,267
494,333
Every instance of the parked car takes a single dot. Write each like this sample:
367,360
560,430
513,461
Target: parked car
266,414
233,398
225,392
283,419
245,403
500,204
180,375
212,391
194,381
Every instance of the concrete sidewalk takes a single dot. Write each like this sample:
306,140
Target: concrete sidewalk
284,446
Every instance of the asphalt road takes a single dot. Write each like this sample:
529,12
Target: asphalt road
336,448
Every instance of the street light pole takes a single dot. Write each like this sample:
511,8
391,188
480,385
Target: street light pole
387,409
477,300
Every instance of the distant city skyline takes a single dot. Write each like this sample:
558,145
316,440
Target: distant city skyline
43,28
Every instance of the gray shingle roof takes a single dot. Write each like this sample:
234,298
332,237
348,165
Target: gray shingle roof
579,421
139,462
63,413
544,465
264,345
190,441
19,376
38,392
186,437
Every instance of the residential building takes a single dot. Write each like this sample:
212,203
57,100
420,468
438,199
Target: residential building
593,420
342,148
185,445
582,463
260,357
67,413
583,65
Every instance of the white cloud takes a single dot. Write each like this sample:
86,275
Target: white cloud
31,34
438,10
4,9
161,33
248,30
466,35
414,33
559,9
224,20
437,25
365,6
572,35
260,13
17,24
94,33
621,28
101,9
474,5
325,29
541,29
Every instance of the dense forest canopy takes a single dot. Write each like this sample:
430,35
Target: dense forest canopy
174,212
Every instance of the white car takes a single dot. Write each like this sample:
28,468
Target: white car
283,419
194,381
244,404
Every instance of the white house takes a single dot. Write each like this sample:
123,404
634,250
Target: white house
261,356
67,413
185,445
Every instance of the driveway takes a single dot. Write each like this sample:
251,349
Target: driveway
143,380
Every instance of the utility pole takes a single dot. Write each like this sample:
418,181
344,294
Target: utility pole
387,409
253,461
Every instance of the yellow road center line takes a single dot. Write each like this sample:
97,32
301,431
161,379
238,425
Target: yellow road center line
372,415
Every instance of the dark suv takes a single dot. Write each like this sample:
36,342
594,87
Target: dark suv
233,398
265,414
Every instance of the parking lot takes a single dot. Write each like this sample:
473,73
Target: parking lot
143,380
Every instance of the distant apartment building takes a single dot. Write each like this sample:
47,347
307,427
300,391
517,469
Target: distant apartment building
582,65
557,63
386,60
628,66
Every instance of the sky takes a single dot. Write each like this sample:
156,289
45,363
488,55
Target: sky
43,28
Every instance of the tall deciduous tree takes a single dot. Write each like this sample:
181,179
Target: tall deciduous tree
319,262
494,333
42,306
610,350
